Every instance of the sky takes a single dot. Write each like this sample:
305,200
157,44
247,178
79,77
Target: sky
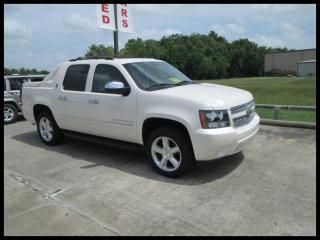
43,35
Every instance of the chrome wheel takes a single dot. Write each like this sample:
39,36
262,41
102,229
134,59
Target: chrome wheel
166,154
46,129
8,114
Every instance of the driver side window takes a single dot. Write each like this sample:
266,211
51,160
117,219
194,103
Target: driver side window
103,74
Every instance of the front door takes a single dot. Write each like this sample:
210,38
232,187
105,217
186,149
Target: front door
111,115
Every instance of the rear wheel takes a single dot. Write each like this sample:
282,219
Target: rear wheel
170,151
10,113
48,130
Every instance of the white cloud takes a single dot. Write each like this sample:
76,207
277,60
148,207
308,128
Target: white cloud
28,59
289,30
273,13
158,9
220,30
287,35
76,21
281,8
230,30
267,40
12,7
156,34
235,28
16,33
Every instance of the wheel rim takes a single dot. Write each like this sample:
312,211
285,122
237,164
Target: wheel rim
166,154
8,114
45,128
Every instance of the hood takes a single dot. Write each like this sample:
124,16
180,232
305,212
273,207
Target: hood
216,96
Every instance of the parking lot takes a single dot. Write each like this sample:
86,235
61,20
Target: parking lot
81,188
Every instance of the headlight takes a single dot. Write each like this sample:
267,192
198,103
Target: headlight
214,119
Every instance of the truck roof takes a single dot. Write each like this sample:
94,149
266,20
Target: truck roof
118,60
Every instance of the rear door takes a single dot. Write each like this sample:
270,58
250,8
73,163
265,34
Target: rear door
71,99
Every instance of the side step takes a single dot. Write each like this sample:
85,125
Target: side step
103,141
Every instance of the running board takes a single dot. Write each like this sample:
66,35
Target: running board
103,141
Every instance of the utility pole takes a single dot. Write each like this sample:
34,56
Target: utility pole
115,32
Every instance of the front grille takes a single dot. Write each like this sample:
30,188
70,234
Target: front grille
240,121
242,107
242,110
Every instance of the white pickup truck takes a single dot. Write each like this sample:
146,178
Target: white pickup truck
146,102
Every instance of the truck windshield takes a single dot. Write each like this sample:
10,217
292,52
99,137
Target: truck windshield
155,75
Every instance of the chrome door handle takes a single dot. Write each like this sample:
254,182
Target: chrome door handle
62,98
93,101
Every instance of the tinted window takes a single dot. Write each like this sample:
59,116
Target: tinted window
103,74
16,83
76,77
36,79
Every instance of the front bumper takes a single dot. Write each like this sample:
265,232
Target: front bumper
209,144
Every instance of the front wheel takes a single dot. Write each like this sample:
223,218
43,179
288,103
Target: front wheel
170,152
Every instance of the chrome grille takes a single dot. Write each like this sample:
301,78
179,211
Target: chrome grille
242,107
240,121
241,113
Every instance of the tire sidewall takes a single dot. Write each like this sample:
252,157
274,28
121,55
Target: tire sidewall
187,157
57,136
15,112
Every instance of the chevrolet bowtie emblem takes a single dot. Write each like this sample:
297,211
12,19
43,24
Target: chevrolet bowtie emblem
249,111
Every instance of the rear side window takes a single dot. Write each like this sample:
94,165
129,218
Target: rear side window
106,73
5,85
76,77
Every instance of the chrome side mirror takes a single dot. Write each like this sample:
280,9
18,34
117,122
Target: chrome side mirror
116,87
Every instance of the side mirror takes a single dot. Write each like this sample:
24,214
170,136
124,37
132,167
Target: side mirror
116,87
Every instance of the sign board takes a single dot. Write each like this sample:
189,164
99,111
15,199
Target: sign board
106,18
124,19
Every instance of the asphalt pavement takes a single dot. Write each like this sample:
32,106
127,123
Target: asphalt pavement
81,188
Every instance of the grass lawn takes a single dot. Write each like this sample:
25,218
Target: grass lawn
278,90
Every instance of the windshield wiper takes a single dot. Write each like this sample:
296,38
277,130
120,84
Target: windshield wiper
184,82
162,84
171,84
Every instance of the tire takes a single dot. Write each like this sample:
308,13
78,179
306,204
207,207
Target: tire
48,130
161,157
10,113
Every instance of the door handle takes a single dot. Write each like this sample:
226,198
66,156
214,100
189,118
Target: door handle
93,101
62,98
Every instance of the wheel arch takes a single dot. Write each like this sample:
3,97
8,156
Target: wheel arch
38,108
12,103
152,123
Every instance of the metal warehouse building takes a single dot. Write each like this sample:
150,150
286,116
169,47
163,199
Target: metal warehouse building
289,62
306,68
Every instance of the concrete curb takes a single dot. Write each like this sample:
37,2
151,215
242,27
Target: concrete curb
288,123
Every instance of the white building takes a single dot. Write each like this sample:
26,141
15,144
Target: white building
306,68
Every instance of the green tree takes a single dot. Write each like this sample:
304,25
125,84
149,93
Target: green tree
199,56
23,71
99,50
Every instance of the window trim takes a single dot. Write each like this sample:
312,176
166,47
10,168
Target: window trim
111,65
67,90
